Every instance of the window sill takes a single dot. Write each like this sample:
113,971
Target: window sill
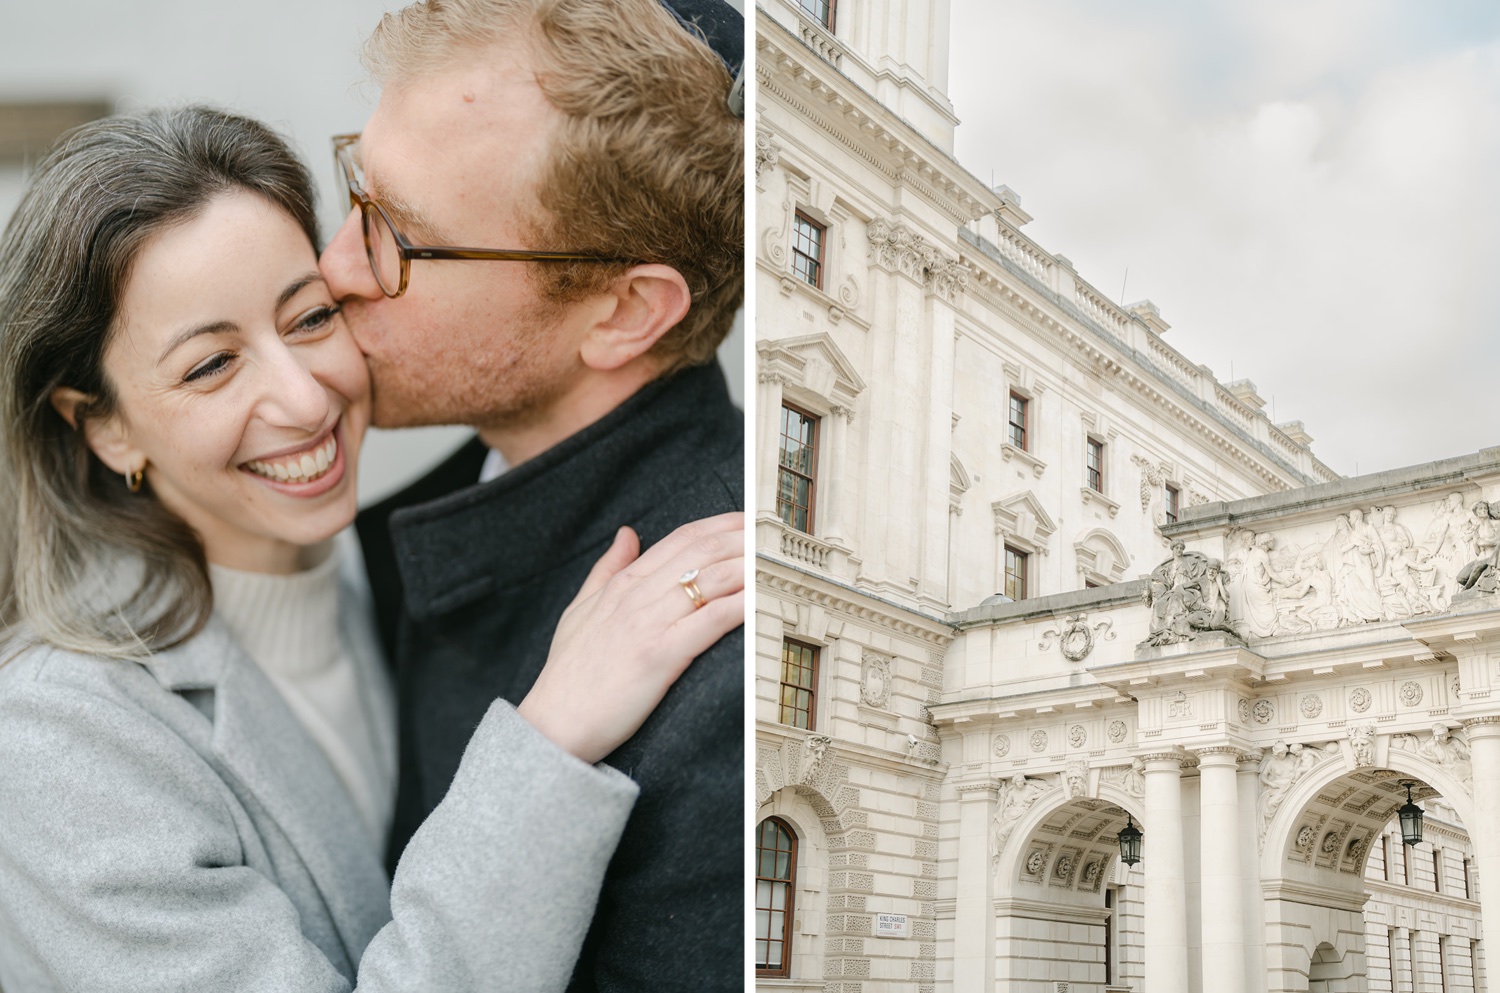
1010,452
1091,495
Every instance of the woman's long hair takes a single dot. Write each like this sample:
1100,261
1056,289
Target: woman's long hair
85,564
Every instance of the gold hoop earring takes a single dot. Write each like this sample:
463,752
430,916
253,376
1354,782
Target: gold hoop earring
134,479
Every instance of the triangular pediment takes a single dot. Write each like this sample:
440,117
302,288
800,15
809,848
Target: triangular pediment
812,363
1022,520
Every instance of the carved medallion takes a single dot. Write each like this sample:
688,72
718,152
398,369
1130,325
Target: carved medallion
1002,746
1359,700
1117,731
1244,708
1306,836
1330,843
1264,710
1180,706
1312,705
1064,867
1038,740
875,680
1411,693
1454,687
1035,861
1091,873
1077,735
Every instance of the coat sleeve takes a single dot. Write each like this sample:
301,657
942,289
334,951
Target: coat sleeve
671,917
122,866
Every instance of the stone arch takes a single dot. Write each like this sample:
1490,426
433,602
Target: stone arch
1052,810
1280,833
1100,557
796,807
1316,847
1052,915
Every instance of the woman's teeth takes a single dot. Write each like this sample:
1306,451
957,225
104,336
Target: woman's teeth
303,468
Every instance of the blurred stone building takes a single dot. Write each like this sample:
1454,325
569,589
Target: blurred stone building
979,656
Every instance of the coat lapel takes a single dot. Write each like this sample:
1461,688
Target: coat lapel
263,745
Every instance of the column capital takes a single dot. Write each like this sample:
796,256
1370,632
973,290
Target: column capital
1161,761
1486,721
1224,755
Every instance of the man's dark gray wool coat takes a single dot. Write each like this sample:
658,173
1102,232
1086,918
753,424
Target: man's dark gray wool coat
470,580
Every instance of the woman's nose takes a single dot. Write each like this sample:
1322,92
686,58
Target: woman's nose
291,396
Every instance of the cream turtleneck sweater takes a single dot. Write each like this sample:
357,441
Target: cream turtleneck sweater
289,625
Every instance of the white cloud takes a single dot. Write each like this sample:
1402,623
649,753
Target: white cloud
1304,189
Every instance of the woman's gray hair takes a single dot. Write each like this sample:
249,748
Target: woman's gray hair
84,563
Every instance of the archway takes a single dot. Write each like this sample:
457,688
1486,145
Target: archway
1337,916
1067,910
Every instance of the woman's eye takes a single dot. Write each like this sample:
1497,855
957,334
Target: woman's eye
213,366
314,320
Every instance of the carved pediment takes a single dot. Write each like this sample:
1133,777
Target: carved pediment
1023,522
812,364
1101,557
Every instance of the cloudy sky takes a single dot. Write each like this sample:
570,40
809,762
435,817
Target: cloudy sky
1308,189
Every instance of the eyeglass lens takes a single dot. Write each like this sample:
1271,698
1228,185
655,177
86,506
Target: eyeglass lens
384,251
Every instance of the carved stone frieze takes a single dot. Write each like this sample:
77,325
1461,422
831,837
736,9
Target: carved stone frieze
1131,778
875,679
1186,597
1016,797
1075,779
1370,568
1280,769
767,151
1362,743
897,248
1076,637
1447,747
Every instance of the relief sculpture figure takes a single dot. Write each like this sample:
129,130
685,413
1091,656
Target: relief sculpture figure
1483,574
1186,597
1016,797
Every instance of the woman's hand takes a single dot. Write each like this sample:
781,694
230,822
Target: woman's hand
633,629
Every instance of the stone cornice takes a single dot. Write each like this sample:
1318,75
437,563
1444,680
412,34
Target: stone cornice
794,75
846,751
773,574
1112,357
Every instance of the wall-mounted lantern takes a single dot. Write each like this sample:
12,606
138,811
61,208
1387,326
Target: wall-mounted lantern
1130,841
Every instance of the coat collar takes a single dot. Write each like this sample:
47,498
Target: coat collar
266,750
449,551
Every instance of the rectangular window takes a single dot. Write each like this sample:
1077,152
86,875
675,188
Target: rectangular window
1094,463
807,250
1468,882
1385,851
799,682
1437,870
1170,503
1015,573
797,468
775,870
1018,410
821,10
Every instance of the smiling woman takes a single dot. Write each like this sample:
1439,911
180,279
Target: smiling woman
239,392
193,711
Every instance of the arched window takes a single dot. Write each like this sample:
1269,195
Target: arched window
775,872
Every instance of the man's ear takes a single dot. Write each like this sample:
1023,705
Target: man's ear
645,303
105,436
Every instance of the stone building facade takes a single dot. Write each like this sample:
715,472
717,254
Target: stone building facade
971,462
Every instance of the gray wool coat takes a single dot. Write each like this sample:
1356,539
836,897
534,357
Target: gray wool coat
171,826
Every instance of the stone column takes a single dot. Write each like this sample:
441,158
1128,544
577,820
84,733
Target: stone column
1484,831
1166,877
1251,896
1221,876
833,480
974,903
